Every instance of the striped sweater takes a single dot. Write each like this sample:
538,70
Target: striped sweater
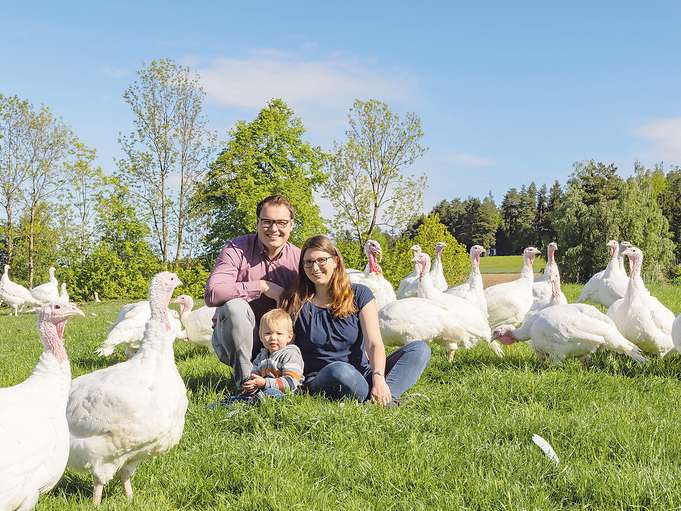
282,370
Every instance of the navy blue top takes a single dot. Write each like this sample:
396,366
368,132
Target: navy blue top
323,338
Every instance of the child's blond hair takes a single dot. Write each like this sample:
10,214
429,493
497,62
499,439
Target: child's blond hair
276,317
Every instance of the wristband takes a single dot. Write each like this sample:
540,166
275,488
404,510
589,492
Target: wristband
379,373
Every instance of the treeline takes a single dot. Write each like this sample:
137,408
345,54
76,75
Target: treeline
596,204
178,192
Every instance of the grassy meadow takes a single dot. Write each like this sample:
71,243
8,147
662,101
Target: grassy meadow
460,440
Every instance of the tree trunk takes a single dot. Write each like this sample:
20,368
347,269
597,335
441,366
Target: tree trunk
164,220
30,247
10,234
181,215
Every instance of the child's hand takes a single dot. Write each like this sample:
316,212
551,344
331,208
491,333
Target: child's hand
254,383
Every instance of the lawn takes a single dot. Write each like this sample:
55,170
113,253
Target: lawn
507,264
461,439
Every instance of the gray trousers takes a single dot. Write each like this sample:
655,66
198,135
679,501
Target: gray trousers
235,338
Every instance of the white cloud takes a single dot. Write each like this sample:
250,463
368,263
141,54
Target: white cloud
665,135
470,160
332,82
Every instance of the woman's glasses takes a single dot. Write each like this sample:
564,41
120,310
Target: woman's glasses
321,262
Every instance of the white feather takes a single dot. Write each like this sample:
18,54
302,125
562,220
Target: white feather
546,448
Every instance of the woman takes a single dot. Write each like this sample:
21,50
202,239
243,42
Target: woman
336,328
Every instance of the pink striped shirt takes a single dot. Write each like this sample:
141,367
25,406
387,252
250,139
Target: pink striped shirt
242,264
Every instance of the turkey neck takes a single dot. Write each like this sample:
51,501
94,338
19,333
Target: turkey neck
53,365
157,342
551,263
475,278
527,271
636,285
475,264
426,287
614,263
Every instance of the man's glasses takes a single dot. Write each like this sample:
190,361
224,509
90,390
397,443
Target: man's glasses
267,223
321,262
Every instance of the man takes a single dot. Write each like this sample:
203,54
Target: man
248,279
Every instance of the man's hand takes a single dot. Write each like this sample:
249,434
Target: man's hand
274,291
254,383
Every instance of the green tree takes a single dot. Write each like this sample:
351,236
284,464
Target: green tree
37,242
643,223
121,264
265,156
84,185
366,183
451,214
488,223
670,202
471,221
510,233
541,218
455,259
170,140
15,161
597,206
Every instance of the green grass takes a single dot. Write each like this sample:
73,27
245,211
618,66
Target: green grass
507,264
461,440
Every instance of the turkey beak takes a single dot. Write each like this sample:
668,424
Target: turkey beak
69,310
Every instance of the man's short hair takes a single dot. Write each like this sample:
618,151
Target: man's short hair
276,317
275,200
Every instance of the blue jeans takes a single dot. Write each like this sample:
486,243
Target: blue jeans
403,368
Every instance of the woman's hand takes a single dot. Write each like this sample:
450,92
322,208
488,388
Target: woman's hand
254,383
380,392
368,319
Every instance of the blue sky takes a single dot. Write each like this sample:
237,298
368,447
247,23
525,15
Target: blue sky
507,93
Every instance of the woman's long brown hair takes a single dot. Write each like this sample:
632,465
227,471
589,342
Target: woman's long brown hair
342,297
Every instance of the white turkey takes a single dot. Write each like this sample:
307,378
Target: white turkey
47,292
572,330
437,272
473,289
676,333
120,415
198,324
608,285
412,319
63,294
15,295
641,317
372,276
410,283
34,434
563,330
472,322
555,297
508,303
129,326
541,289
